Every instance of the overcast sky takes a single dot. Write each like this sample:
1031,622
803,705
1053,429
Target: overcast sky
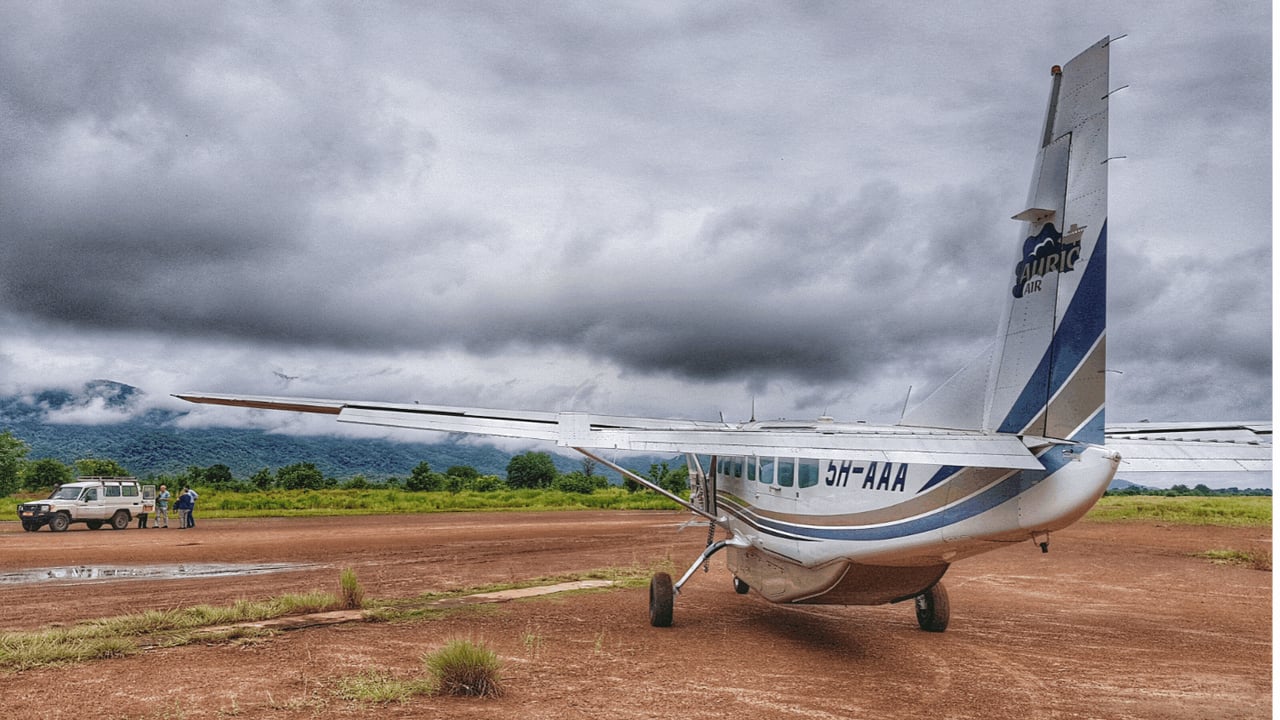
659,209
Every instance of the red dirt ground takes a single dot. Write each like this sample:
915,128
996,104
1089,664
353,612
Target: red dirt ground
1117,621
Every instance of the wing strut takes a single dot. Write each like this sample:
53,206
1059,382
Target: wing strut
649,484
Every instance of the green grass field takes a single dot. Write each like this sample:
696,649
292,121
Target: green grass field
1190,510
1244,511
392,501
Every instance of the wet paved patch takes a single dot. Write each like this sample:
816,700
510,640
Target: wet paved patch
110,573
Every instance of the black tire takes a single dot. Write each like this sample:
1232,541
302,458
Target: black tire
59,522
740,587
30,525
120,520
933,609
93,524
662,600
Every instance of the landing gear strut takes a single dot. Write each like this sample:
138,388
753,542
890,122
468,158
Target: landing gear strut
662,593
933,609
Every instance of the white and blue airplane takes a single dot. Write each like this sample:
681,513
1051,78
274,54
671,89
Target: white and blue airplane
1011,448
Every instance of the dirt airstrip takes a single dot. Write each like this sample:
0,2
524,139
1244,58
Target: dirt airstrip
1117,621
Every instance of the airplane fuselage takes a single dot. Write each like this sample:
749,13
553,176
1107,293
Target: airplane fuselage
800,524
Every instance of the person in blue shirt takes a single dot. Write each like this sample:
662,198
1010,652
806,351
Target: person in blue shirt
191,512
183,506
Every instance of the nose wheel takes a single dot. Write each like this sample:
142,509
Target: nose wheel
933,609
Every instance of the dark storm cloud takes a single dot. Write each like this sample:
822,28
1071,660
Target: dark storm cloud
150,152
813,194
195,173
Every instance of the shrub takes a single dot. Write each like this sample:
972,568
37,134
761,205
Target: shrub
359,482
485,483
576,482
465,668
531,470
423,480
300,476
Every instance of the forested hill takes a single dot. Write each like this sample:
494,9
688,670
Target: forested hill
149,443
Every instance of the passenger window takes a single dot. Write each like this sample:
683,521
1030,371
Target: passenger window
737,467
786,471
808,472
91,495
130,490
751,469
766,470
112,491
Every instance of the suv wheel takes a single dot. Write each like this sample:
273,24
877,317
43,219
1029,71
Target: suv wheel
120,520
59,522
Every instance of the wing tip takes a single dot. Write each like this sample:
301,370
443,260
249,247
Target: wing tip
326,407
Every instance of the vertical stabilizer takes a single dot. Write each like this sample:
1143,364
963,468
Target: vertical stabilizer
1045,373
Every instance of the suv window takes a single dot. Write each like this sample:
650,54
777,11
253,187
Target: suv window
111,490
91,495
130,490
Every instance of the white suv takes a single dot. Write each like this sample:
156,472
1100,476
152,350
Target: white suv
94,501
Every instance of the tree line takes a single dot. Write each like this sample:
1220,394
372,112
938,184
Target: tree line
526,470
534,470
1200,490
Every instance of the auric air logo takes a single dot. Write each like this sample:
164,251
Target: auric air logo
1046,252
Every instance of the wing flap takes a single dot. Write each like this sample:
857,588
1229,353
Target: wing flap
982,450
1188,429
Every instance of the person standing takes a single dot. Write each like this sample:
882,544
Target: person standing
162,507
191,512
183,506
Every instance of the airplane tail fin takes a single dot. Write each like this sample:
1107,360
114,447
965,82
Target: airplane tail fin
1045,373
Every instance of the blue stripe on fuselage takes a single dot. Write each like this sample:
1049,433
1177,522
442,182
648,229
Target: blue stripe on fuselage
1001,492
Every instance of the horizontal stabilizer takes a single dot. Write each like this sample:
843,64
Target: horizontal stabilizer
1191,456
1192,446
1036,216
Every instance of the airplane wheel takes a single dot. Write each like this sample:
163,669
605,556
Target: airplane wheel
933,609
740,587
662,600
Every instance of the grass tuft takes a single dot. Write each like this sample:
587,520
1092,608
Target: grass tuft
352,595
463,667
116,636
1252,559
373,686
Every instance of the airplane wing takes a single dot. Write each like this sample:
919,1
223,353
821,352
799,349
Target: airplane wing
1192,447
606,432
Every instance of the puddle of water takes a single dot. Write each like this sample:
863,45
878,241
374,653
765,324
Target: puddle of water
108,573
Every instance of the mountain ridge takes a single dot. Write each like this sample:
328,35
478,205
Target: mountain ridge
148,442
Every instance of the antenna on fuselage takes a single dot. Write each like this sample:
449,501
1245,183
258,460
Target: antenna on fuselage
904,404
753,409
